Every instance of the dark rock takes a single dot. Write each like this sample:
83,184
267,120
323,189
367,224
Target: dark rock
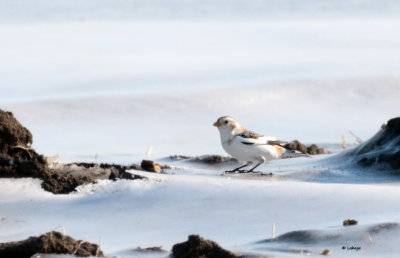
197,247
49,243
350,222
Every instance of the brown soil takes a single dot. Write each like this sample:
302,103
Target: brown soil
197,247
49,243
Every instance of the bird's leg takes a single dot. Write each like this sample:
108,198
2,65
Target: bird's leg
236,169
251,170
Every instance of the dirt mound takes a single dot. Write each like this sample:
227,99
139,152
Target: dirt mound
311,149
18,159
382,151
196,247
49,243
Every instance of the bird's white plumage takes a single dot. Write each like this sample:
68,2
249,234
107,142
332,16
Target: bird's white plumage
247,146
253,152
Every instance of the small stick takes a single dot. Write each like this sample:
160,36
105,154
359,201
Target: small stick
343,142
79,246
273,230
358,139
27,150
98,248
97,251
149,150
370,239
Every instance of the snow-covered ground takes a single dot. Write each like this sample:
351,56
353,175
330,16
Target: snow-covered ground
235,211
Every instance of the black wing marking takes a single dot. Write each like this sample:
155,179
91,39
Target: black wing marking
280,143
248,143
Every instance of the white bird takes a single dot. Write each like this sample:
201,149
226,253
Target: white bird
249,147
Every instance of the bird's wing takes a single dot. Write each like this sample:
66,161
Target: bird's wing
251,138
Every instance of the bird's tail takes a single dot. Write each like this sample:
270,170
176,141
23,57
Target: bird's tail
294,154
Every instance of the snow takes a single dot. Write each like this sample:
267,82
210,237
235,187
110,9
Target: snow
166,208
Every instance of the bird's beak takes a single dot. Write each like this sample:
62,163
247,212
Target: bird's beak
217,124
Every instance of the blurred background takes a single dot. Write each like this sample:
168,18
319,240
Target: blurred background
103,80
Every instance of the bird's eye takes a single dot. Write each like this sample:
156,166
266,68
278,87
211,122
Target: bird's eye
226,122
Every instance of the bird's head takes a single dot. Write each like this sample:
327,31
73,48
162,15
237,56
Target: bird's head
229,125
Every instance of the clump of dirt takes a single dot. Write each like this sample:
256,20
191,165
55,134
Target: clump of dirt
150,166
312,149
326,252
49,243
196,247
153,249
180,157
350,222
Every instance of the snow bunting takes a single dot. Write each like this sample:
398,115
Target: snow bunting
249,147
